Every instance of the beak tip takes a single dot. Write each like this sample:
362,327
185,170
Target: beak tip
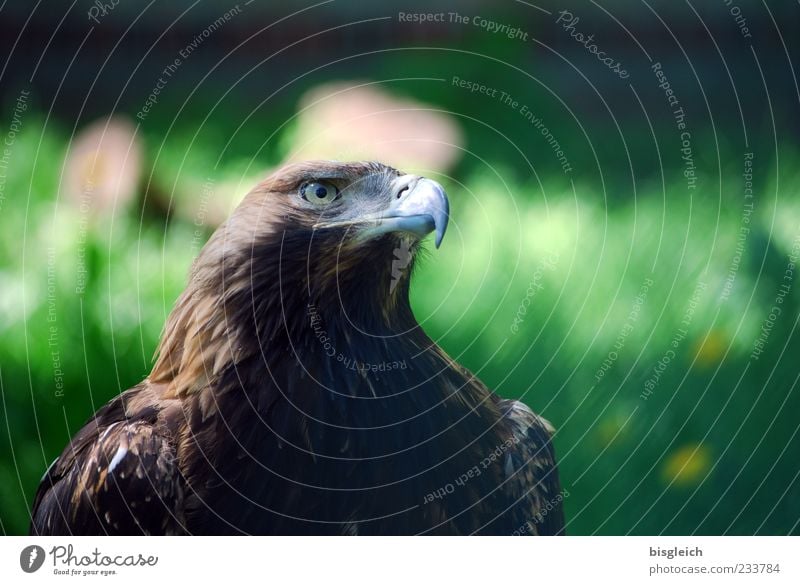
440,235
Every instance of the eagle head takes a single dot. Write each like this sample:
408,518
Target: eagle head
359,202
351,221
350,218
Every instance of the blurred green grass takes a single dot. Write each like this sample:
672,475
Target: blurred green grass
712,450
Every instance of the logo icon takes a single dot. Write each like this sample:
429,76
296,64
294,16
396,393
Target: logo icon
31,558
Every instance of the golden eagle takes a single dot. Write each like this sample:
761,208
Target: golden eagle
295,393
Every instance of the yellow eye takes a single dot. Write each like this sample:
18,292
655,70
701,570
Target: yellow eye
319,192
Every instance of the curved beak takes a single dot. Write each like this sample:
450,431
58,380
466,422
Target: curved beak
419,206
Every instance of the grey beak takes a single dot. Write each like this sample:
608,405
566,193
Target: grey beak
419,206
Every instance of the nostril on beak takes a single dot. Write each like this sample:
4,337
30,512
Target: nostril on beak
407,183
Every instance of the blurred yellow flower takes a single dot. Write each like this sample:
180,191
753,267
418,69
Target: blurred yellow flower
687,465
709,350
612,428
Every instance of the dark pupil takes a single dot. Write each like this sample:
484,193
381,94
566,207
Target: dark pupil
320,192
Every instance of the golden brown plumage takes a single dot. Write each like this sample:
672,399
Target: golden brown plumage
294,393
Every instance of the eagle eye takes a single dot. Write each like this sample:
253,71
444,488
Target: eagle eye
319,192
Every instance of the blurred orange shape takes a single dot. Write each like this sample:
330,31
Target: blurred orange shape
358,121
102,166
